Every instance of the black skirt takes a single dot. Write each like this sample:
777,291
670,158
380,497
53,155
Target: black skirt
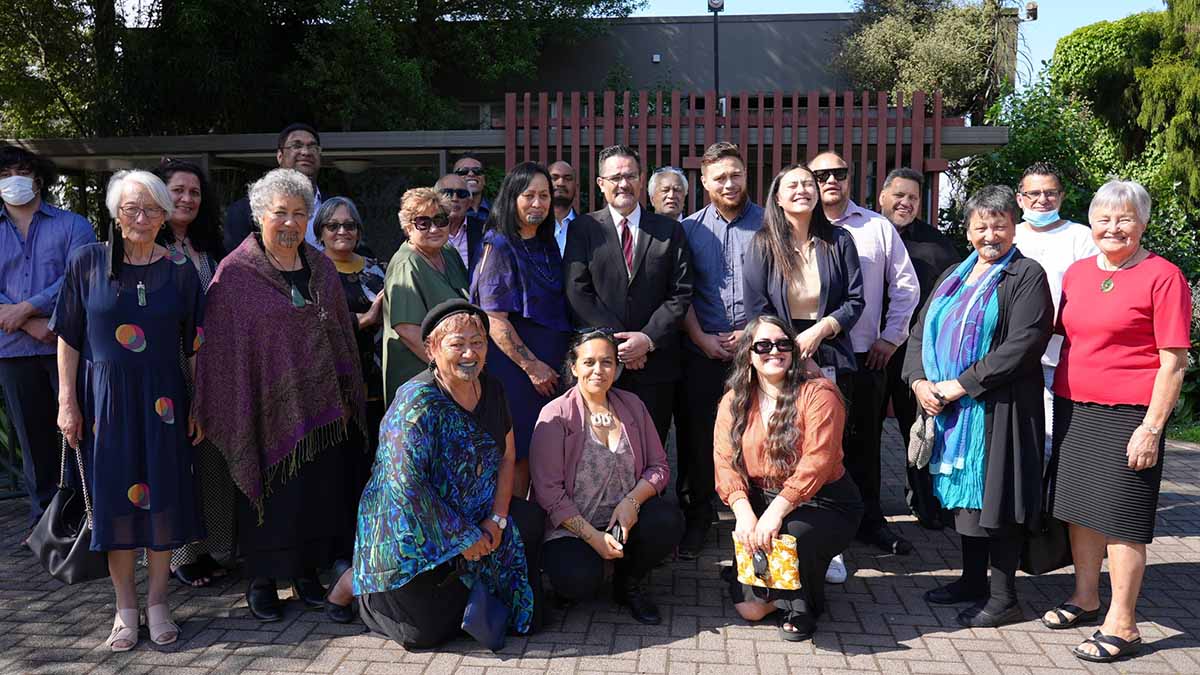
1095,487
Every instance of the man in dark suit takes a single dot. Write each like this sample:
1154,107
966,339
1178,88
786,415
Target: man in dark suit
630,270
466,229
298,147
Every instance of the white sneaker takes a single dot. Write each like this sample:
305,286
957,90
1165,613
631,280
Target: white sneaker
836,574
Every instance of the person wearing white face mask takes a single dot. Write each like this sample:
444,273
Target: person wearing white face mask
1055,243
36,239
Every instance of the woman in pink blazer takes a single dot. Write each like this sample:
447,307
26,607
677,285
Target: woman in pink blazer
598,468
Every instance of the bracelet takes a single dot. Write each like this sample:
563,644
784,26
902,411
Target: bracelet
637,506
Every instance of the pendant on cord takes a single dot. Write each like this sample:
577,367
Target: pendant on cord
298,300
141,293
1106,285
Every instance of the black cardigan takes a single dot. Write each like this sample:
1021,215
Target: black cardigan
1008,381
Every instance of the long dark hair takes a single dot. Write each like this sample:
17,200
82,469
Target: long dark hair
205,230
503,216
775,239
783,434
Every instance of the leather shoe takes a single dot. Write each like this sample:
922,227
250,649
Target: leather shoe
629,593
692,542
309,590
978,617
263,600
952,594
338,613
885,540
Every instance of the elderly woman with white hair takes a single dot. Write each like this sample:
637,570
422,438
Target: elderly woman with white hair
1124,319
124,310
279,386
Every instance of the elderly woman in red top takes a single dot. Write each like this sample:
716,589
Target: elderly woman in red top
1124,319
777,448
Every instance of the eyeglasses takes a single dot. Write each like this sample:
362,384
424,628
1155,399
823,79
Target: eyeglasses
334,225
423,223
151,212
297,146
469,171
461,193
823,175
1038,194
617,179
762,347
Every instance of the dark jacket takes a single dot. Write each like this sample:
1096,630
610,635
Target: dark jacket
600,293
1008,381
841,291
474,225
238,223
931,253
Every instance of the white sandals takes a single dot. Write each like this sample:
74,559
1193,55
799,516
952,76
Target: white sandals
163,631
124,635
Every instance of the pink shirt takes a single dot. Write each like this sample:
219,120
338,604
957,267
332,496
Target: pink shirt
885,265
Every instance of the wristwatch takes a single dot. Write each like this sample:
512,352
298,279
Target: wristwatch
500,520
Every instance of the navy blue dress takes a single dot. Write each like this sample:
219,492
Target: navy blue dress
133,396
524,279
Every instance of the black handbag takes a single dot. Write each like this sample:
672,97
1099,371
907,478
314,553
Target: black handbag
1049,548
62,539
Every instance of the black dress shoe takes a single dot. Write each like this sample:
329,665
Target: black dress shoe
309,590
978,617
629,593
954,593
338,613
885,540
263,600
692,543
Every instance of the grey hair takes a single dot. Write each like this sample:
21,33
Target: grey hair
905,173
280,182
328,207
153,184
991,200
652,186
1122,193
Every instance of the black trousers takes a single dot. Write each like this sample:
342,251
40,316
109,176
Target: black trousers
576,571
659,398
864,420
918,486
428,610
31,400
697,396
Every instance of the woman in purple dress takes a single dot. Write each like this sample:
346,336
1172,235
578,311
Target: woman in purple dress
519,283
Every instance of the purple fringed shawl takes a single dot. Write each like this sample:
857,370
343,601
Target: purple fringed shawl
275,384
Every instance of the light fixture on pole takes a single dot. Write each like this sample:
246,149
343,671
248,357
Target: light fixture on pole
716,7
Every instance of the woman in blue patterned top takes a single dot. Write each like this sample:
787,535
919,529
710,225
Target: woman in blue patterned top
441,490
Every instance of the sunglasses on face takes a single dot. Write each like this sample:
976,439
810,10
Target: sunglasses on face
823,175
423,223
469,171
461,193
764,347
333,226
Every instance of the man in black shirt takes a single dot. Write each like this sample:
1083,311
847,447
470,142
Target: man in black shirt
932,253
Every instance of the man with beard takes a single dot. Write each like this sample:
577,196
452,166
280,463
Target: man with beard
668,188
629,271
719,235
470,168
888,277
562,175
466,231
298,147
931,253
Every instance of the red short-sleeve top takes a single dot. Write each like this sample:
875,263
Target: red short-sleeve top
1111,340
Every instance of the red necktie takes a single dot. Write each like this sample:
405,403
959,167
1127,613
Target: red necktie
627,244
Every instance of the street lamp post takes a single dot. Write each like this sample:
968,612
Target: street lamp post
716,7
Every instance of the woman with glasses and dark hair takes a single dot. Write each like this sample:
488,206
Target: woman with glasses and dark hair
424,271
777,447
598,469
519,283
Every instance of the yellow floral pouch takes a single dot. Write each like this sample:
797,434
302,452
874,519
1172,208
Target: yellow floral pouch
783,565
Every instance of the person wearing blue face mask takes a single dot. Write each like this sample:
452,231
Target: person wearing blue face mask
1054,242
36,239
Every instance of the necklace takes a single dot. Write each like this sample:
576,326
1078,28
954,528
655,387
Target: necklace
298,300
1108,284
141,277
548,274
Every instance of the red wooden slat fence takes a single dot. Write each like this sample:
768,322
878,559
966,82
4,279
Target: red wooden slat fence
873,131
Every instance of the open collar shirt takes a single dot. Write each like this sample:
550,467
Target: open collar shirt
719,249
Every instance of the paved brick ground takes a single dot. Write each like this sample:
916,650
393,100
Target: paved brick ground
876,622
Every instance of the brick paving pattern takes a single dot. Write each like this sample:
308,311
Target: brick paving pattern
876,622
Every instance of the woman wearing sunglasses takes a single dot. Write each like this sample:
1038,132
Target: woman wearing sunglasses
423,273
777,448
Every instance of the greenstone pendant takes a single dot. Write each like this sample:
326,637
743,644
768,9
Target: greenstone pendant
1106,285
298,300
141,292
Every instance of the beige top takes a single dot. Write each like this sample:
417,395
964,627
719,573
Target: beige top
804,291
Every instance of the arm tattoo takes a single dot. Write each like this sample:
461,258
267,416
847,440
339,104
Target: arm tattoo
579,527
510,340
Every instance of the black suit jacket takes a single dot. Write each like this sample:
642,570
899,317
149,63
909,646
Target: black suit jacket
600,293
474,225
238,223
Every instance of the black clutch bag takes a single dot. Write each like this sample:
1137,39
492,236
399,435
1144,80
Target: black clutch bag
62,539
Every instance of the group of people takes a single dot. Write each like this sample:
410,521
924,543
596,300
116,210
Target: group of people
492,405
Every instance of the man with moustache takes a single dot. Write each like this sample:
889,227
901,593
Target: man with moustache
36,239
562,177
630,271
931,253
668,188
1054,242
888,278
466,231
719,236
297,147
470,168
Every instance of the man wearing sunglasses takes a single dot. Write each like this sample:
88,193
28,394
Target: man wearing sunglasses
297,147
889,282
470,168
466,230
